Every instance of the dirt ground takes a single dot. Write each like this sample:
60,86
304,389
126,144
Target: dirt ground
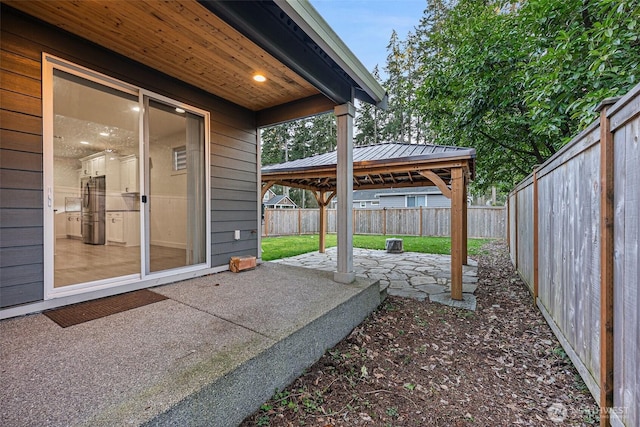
416,363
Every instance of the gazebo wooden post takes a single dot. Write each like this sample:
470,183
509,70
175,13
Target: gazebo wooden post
323,225
323,201
457,234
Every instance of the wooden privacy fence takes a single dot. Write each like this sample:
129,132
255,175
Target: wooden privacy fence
573,229
487,222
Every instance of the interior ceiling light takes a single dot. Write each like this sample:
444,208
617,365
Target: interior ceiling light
104,133
84,143
259,78
136,108
179,110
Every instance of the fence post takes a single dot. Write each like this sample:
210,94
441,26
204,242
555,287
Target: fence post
299,221
384,221
420,221
508,222
606,262
515,228
266,222
535,236
465,225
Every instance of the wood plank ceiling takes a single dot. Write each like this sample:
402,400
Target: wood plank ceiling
180,38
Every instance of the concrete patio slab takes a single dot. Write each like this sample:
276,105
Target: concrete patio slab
209,355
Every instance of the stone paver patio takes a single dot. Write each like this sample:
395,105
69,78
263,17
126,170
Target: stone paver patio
409,274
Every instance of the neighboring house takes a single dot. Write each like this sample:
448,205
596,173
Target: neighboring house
409,197
268,196
430,197
280,202
132,128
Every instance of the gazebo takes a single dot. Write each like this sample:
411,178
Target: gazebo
388,165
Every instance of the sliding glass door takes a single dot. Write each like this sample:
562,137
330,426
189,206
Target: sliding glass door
177,196
95,127
125,182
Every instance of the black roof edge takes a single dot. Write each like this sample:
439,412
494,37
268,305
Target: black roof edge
269,27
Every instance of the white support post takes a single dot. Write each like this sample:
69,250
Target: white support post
344,114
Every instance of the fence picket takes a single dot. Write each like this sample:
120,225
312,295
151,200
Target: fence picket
483,222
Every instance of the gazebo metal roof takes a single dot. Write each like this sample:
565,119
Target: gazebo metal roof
376,166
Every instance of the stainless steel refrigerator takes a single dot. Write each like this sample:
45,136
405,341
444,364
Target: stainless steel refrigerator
93,210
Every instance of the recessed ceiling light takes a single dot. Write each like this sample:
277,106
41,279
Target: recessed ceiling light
259,78
104,133
136,108
84,143
179,110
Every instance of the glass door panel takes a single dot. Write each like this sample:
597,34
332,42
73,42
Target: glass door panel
176,175
95,128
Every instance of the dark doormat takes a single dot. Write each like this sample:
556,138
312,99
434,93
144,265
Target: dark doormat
95,309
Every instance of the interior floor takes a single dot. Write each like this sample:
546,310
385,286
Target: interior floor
77,262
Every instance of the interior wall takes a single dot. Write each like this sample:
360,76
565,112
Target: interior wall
168,200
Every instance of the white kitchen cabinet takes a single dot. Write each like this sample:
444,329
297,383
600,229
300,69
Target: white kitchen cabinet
87,166
93,165
73,225
115,227
98,165
123,228
129,174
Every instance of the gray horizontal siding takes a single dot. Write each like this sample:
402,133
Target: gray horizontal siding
18,275
234,215
20,198
224,226
239,185
21,161
234,205
392,202
21,294
20,255
230,244
20,179
438,201
21,218
235,195
219,171
20,236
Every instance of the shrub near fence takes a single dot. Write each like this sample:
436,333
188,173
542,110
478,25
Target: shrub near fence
573,233
482,222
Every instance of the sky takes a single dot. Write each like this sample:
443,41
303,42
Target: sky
366,25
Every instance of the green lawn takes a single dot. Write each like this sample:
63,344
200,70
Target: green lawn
286,246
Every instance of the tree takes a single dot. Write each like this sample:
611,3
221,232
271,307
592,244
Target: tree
516,80
297,140
368,121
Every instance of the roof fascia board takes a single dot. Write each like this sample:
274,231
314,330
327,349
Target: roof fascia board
310,21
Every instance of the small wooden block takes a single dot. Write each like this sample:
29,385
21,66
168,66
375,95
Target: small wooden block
240,263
